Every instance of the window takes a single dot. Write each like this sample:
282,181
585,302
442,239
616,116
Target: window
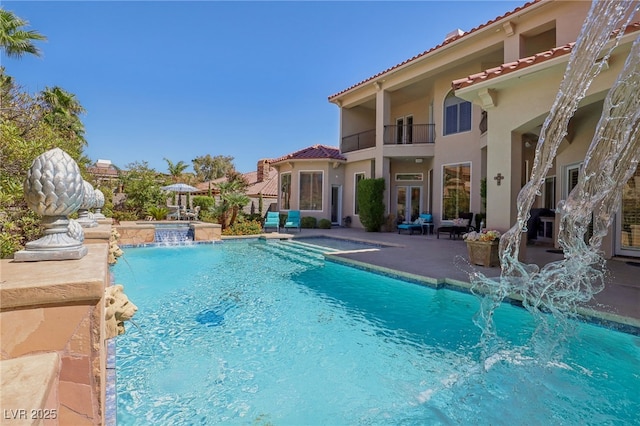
457,115
408,176
310,190
285,191
550,193
571,179
456,190
357,178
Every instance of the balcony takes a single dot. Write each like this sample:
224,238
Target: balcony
393,135
409,134
358,141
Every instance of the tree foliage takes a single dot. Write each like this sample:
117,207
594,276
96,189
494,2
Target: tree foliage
141,184
208,168
30,126
16,41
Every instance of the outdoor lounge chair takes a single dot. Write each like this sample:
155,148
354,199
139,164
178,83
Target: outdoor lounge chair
423,223
272,221
293,220
457,227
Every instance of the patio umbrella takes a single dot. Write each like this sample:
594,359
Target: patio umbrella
179,188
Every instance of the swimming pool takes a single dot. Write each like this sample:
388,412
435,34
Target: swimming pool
244,332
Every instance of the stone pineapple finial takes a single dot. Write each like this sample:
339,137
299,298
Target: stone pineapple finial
54,189
99,204
88,202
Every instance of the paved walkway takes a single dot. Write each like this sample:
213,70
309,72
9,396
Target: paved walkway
444,258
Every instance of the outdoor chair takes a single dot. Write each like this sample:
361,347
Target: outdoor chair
293,220
174,213
423,223
455,228
193,214
272,221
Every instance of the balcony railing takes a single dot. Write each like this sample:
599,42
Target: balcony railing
409,134
393,135
362,140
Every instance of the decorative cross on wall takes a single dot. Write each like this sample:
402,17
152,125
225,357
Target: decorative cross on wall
499,178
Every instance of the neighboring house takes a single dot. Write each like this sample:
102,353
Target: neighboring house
104,172
312,180
264,181
466,110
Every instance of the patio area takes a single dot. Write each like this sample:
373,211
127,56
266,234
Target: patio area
446,259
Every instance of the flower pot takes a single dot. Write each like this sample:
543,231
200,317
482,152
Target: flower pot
483,253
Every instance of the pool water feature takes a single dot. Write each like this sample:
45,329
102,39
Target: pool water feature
242,333
173,233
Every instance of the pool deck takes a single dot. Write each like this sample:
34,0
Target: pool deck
445,260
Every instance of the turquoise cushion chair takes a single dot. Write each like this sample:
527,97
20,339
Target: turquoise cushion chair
423,223
272,221
293,220
427,223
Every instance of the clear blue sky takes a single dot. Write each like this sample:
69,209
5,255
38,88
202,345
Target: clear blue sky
244,79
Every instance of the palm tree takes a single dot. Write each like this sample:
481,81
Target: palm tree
176,170
236,201
63,111
14,40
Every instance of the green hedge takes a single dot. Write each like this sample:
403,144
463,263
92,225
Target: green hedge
370,200
324,224
308,222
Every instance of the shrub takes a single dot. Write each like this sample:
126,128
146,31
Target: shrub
18,227
158,213
204,202
370,196
121,215
308,222
244,227
324,224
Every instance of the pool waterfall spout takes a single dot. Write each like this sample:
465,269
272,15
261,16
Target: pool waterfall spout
561,287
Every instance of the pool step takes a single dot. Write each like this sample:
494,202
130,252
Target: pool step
293,254
299,245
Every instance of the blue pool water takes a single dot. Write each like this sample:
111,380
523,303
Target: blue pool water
245,333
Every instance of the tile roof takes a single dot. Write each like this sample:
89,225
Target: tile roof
315,152
512,66
538,58
268,187
439,46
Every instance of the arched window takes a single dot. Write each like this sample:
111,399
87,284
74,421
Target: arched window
457,115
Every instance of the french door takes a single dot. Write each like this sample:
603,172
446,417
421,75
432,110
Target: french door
408,202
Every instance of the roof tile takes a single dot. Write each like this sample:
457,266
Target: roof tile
538,58
439,46
315,152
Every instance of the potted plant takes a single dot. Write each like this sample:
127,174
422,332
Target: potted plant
483,247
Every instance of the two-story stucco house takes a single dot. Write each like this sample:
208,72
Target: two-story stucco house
469,111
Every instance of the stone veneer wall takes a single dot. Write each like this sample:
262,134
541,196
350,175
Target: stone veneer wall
133,233
53,311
